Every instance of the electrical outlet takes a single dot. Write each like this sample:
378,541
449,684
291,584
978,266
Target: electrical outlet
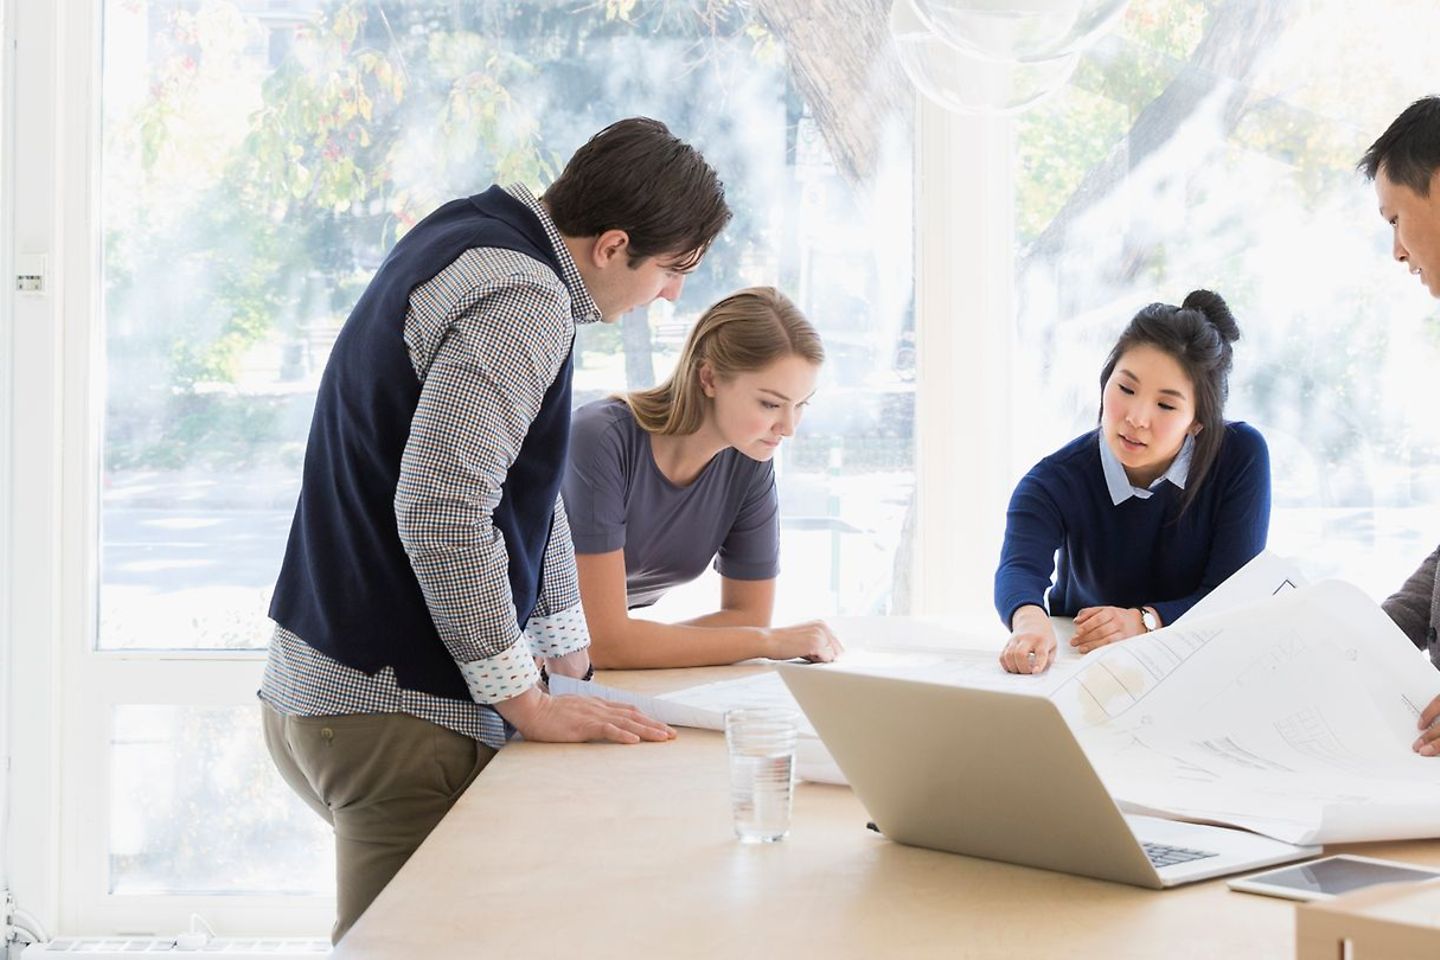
30,273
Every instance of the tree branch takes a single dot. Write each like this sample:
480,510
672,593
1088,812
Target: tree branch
1226,56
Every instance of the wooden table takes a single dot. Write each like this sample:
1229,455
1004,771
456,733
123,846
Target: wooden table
627,851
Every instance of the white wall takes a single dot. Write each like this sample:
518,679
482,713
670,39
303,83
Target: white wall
7,405
34,513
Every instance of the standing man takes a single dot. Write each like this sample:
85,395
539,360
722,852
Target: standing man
1405,165
429,565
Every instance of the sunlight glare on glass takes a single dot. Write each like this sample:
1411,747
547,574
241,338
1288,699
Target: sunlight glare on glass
963,81
1020,29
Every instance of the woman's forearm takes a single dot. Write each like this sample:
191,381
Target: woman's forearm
707,641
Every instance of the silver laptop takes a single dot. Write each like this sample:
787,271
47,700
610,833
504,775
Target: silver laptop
1001,776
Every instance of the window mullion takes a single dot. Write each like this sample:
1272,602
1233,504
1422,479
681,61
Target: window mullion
964,305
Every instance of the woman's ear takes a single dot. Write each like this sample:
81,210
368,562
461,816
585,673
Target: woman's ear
707,379
1195,428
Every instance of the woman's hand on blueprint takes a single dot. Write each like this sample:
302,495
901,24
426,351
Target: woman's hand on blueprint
1097,626
1031,648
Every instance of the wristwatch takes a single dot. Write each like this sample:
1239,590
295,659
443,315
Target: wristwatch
1149,619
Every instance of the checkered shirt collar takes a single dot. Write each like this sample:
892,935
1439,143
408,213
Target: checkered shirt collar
582,305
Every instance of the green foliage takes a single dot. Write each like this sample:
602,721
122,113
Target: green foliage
1060,141
619,9
312,144
214,430
1056,144
272,166
1169,27
480,118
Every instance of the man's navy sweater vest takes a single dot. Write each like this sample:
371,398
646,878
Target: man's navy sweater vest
346,586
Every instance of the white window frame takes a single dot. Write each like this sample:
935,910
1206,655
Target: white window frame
32,839
64,692
59,824
964,296
7,406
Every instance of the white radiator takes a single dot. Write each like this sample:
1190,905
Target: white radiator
129,948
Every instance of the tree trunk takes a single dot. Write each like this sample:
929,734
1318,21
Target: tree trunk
849,77
635,341
1238,32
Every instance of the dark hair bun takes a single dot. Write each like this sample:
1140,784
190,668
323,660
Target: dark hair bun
1212,305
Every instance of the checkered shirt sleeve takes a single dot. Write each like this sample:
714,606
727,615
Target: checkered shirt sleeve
557,626
486,346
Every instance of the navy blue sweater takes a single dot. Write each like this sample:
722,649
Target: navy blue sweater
1138,553
346,586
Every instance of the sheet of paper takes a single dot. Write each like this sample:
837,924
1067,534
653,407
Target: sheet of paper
877,634
1282,708
814,763
962,668
757,690
675,713
1266,576
1293,717
703,707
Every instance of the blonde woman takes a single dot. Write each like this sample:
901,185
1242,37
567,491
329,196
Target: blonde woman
662,482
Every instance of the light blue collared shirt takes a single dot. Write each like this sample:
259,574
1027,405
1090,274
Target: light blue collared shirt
1121,489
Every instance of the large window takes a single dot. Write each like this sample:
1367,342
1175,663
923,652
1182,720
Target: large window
1214,145
257,159
234,170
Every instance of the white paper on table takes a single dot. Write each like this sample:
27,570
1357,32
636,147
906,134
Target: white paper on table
814,763
1288,710
1266,575
757,690
666,711
703,707
963,668
968,668
884,634
812,760
1293,717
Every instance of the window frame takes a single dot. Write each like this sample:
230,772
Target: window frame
7,405
57,834
60,821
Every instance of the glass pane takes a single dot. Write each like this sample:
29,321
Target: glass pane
261,157
1214,145
196,807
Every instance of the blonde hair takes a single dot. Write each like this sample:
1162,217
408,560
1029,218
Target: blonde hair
747,331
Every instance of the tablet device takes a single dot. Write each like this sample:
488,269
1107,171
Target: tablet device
1329,877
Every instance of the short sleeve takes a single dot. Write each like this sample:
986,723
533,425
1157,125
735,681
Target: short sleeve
594,485
751,549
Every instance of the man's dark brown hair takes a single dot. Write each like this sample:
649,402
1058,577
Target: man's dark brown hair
636,176
1409,150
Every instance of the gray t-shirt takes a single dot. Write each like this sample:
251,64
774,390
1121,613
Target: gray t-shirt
617,497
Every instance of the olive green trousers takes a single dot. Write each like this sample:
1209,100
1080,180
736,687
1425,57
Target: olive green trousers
381,780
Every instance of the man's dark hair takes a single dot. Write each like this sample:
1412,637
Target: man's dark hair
636,176
1409,151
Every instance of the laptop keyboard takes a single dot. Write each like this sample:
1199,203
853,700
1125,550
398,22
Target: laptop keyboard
1163,856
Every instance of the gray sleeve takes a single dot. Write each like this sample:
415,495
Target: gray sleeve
1409,607
594,485
751,550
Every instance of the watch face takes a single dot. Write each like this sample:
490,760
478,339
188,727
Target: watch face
1148,620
